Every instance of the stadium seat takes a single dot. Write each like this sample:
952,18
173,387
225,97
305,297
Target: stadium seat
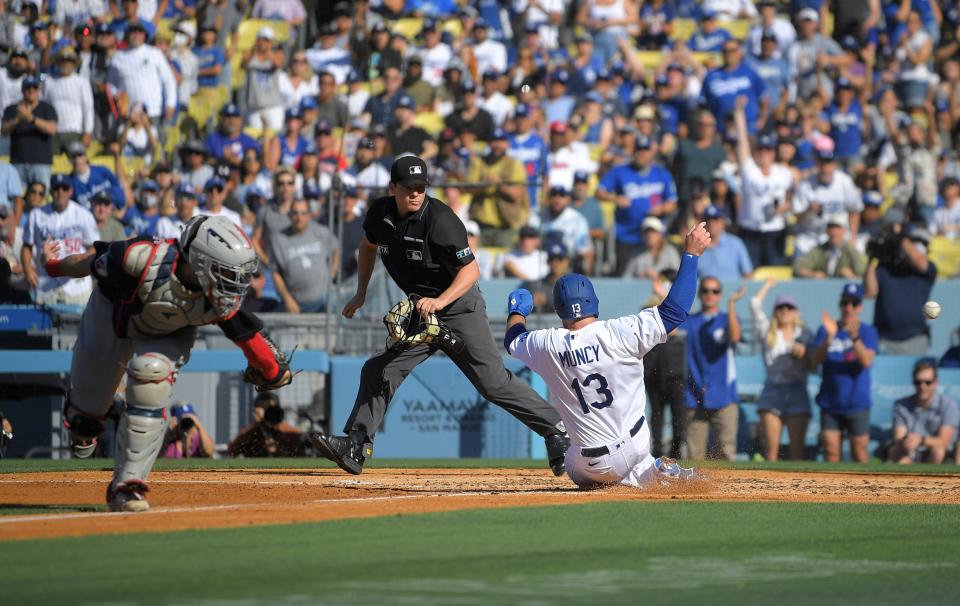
945,252
61,165
105,161
777,272
683,29
738,28
608,209
409,27
431,122
453,26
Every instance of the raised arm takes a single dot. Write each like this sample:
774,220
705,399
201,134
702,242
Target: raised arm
675,307
734,330
740,123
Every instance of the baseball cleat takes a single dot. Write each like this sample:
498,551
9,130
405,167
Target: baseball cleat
128,496
557,445
670,468
342,450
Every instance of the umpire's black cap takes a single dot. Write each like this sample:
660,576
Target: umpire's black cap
409,170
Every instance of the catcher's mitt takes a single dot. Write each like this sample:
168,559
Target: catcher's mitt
253,375
407,327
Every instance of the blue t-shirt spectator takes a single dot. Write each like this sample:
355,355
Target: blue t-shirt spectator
207,58
721,88
532,151
645,190
100,178
139,223
174,11
845,386
845,129
672,112
289,156
217,144
774,73
728,259
712,380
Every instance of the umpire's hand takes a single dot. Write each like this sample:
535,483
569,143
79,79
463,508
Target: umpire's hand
697,240
354,304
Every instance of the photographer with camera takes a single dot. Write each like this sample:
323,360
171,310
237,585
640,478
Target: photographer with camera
900,277
268,435
186,437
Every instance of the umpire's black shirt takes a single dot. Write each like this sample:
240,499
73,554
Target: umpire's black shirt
422,251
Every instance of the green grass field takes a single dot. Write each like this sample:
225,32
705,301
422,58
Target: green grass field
663,552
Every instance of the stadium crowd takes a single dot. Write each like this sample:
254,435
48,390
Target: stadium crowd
817,138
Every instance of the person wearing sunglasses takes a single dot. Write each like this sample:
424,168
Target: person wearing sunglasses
304,258
846,348
784,400
712,399
214,195
925,423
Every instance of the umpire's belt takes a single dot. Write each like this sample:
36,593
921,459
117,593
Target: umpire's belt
599,451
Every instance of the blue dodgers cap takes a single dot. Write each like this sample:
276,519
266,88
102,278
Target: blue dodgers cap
713,212
644,142
824,155
29,82
149,185
604,74
480,23
766,142
844,83
311,191
562,76
254,192
559,190
557,250
292,113
310,148
230,110
213,183
309,102
499,135
469,86
182,408
593,96
852,290
521,111
574,297
406,101
491,74
60,180
662,80
429,25
709,13
581,176
186,190
873,198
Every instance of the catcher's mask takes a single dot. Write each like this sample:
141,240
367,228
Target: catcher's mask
407,327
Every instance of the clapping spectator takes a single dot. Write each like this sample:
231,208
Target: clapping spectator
925,423
712,399
846,349
31,125
838,257
784,400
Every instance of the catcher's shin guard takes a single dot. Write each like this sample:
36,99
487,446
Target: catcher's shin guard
84,429
143,423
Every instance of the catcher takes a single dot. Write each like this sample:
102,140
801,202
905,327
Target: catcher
141,319
423,246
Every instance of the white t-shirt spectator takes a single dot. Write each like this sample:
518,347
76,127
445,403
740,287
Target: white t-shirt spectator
838,196
146,77
75,229
490,54
572,228
498,106
223,212
567,160
946,220
435,61
761,194
530,266
72,97
171,226
292,95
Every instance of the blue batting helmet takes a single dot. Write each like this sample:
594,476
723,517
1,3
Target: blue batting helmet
574,297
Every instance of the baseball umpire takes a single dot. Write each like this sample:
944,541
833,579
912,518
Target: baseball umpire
141,319
423,246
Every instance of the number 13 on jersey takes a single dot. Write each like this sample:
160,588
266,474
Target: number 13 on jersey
602,389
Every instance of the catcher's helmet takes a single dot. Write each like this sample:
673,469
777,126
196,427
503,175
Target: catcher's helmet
222,257
574,297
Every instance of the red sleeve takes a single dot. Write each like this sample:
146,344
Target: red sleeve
260,355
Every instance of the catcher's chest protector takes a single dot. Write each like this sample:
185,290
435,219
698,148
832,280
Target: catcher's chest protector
161,304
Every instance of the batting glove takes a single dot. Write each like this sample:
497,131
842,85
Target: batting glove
521,302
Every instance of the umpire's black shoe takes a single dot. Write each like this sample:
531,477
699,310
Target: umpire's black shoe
557,445
340,449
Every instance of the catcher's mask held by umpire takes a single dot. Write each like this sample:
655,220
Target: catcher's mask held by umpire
407,327
574,297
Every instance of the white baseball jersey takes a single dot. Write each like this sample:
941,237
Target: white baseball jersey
75,229
761,195
594,374
146,76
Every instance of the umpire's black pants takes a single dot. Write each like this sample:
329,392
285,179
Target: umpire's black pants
665,375
480,360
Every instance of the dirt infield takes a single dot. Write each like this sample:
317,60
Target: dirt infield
184,500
